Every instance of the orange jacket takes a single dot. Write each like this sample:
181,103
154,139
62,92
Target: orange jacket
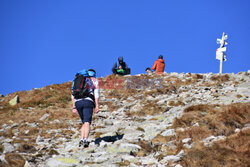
159,66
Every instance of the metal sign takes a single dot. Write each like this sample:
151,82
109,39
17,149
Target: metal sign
220,55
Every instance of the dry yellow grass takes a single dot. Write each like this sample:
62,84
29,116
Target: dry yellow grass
234,151
220,78
222,120
216,120
212,120
14,160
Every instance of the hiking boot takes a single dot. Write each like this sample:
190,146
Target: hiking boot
85,143
81,143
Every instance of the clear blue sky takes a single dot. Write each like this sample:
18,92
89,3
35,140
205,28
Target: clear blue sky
43,42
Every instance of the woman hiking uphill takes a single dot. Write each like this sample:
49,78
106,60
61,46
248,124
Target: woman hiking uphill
85,97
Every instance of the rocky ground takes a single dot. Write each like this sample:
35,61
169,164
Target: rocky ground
145,120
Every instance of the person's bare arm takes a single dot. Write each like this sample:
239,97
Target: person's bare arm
74,110
96,94
97,105
154,66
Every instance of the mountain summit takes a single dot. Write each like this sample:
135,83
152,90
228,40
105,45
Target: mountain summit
144,120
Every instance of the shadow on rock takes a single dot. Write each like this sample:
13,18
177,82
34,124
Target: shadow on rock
109,138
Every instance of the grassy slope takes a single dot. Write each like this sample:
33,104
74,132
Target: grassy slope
213,119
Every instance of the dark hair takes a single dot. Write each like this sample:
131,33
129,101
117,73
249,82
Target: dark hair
160,57
92,70
148,69
120,59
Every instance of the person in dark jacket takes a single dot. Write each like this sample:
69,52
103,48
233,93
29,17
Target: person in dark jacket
159,65
120,68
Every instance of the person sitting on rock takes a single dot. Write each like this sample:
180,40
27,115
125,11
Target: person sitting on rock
148,70
159,65
84,104
121,68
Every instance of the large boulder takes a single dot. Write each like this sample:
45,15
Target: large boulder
14,101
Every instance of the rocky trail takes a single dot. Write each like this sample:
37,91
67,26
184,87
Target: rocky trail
148,120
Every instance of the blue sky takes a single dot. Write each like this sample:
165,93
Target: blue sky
43,42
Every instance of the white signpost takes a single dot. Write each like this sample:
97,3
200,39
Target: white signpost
220,55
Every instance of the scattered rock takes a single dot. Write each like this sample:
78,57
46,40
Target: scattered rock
56,121
149,161
2,131
210,140
174,158
101,159
248,124
124,148
7,140
109,134
27,164
171,145
8,147
188,146
14,125
196,124
186,140
151,130
169,132
14,101
2,159
45,116
17,146
130,158
15,131
122,131
5,126
103,144
108,123
26,132
32,125
56,162
203,113
132,135
171,158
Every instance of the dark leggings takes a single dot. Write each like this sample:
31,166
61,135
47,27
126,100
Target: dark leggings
85,110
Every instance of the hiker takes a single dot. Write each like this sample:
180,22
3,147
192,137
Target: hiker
159,65
85,97
148,70
121,68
